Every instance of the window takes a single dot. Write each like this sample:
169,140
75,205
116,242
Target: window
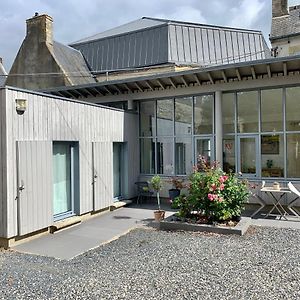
183,116
293,155
165,164
292,109
147,156
147,118
229,154
183,155
203,114
228,118
247,111
272,155
165,118
271,110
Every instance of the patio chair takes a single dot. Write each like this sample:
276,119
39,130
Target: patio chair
143,191
260,200
294,190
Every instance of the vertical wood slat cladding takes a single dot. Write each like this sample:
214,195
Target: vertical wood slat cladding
35,174
52,119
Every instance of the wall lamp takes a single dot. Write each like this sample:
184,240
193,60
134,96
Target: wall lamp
21,105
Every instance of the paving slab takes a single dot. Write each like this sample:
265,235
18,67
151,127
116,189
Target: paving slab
73,241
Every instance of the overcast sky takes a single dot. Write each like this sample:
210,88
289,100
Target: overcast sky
76,19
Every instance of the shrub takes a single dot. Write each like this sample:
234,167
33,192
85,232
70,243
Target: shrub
213,193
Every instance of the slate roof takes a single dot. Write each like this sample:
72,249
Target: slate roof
287,25
2,72
151,42
72,63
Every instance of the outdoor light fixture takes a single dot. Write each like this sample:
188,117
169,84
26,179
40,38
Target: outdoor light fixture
21,105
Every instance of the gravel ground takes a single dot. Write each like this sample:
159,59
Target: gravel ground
149,264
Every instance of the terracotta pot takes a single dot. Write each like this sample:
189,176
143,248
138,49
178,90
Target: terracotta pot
159,215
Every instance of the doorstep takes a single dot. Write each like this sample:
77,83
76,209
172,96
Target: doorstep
119,204
59,225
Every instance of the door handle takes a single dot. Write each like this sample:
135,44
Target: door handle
21,188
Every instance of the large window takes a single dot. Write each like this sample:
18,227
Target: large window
271,110
203,114
293,109
247,111
228,113
293,155
147,118
167,133
165,117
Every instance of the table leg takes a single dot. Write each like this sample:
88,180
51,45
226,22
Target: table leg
262,205
277,205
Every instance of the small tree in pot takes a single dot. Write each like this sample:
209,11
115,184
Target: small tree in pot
156,184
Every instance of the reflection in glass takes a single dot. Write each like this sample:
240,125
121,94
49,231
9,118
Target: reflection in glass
165,117
203,114
183,156
147,156
272,155
293,155
229,154
248,155
183,116
228,113
292,109
271,110
247,111
204,148
165,152
147,118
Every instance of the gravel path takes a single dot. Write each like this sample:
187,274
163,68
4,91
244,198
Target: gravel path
148,264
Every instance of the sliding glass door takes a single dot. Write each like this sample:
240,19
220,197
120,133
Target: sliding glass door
63,179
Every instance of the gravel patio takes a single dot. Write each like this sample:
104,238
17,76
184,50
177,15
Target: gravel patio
150,264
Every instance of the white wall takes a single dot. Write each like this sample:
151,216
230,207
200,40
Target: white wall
54,119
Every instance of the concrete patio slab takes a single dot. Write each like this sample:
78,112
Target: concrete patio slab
89,234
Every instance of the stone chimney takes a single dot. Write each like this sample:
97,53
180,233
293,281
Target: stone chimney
279,8
39,28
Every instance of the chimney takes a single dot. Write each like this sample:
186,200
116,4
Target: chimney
279,8
40,28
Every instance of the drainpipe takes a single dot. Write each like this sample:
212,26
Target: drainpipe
219,127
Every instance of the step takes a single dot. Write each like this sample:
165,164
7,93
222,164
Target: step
120,204
59,225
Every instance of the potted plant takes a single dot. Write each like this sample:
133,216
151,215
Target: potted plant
156,184
177,184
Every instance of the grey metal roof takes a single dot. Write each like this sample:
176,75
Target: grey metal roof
227,73
2,75
72,63
286,25
149,42
128,27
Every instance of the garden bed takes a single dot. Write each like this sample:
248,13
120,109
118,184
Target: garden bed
238,228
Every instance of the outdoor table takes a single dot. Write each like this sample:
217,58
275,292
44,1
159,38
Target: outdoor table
277,195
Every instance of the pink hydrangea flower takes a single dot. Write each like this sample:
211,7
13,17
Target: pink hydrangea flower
221,199
222,186
210,197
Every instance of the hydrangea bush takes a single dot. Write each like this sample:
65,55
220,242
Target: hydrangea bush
212,193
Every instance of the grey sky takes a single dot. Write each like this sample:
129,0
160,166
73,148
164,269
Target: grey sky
76,19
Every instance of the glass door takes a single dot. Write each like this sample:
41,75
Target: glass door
117,169
204,147
62,179
248,155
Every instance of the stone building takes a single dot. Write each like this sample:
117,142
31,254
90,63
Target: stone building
42,62
285,31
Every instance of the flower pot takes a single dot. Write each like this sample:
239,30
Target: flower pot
159,215
173,193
